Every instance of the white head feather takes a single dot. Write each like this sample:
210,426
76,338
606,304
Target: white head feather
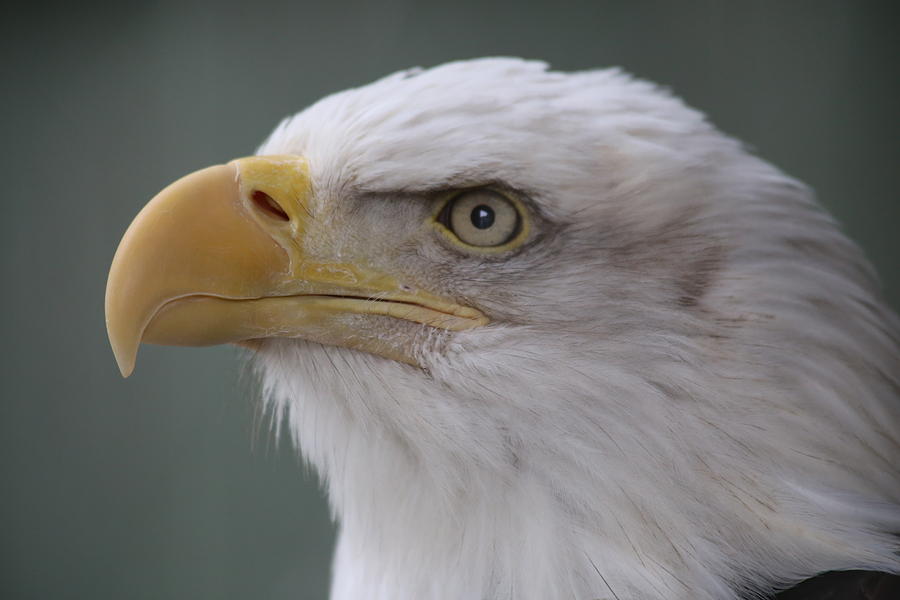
690,385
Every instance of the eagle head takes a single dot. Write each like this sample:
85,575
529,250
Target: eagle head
543,335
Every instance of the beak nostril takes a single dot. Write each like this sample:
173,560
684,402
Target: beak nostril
268,205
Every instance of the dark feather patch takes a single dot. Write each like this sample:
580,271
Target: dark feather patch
845,585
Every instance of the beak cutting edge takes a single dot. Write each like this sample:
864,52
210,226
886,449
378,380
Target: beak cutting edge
218,257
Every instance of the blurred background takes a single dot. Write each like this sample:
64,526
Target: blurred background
168,484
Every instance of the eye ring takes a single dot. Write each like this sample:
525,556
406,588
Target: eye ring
482,220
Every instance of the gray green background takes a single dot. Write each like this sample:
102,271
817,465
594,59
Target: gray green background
168,484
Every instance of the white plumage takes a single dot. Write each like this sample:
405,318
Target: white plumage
689,388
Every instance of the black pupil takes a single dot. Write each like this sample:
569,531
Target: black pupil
482,216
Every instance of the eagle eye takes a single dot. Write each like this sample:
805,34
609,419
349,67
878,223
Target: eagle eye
481,218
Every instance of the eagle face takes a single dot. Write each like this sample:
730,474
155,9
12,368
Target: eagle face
543,335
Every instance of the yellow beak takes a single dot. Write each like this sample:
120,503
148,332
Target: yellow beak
218,256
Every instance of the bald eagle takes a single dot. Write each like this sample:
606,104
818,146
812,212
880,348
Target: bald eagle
544,335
